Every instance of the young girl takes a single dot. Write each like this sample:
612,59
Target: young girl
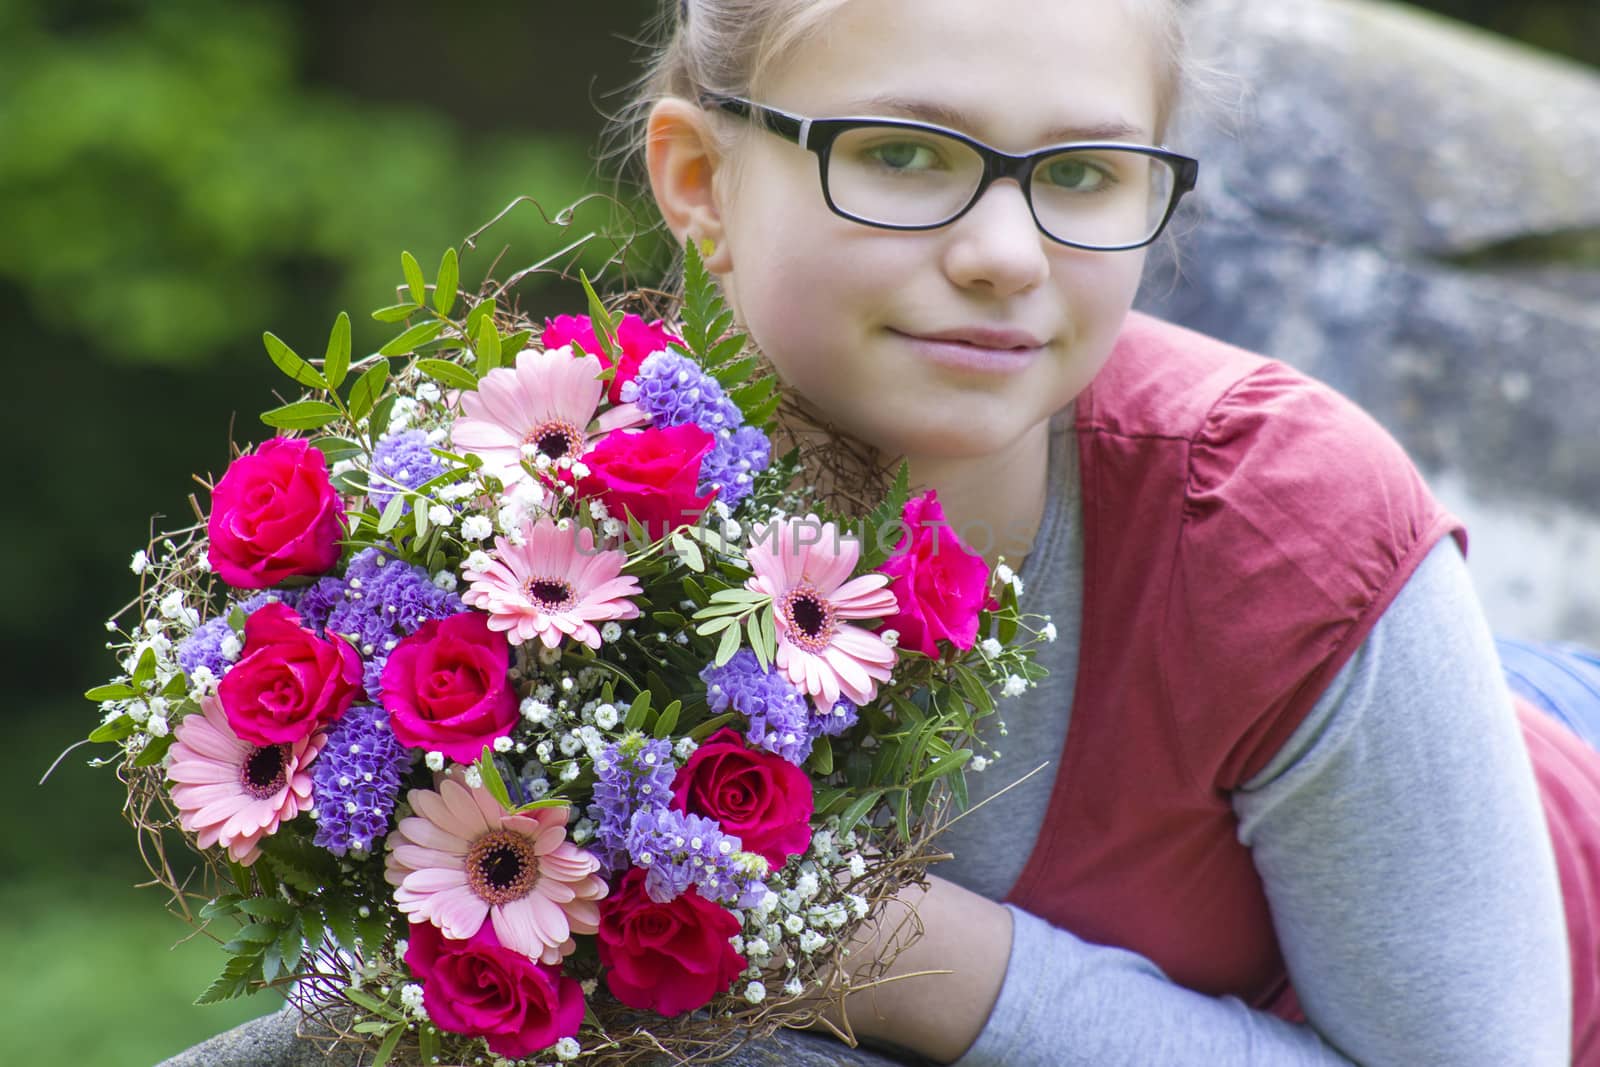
1291,813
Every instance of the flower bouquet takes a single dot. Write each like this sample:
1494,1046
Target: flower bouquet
516,702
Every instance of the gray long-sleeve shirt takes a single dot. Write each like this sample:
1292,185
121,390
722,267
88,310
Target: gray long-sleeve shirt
1398,833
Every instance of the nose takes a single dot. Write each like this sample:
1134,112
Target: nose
996,245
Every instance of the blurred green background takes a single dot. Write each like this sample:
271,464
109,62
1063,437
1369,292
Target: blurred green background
175,178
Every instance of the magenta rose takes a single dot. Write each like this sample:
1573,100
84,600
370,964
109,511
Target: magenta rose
480,988
667,958
288,681
652,474
761,797
274,514
941,585
445,687
635,337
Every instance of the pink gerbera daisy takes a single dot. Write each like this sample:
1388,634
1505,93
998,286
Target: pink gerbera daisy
231,792
462,858
546,403
805,567
555,584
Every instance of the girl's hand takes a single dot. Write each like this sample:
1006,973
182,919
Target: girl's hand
942,986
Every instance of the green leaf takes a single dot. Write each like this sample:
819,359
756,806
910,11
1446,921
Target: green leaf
717,626
491,778
1006,629
284,359
689,552
419,517
312,929
390,1043
669,719
256,933
858,808
364,394
373,929
301,415
945,765
637,711
512,344
217,907
729,645
342,921
752,626
379,419
234,981
114,691
883,526
145,672
444,290
115,730
396,312
600,320
821,759
270,908
447,373
366,1001
152,753
712,725
476,315
335,449
271,962
413,273
336,363
428,1038
486,343
411,339
391,513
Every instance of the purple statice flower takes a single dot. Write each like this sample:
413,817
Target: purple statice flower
731,466
385,599
631,775
356,780
318,600
781,719
203,648
405,458
677,850
674,390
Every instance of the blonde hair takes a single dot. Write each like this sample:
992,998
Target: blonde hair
722,46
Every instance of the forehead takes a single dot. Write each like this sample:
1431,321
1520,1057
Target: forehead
1016,73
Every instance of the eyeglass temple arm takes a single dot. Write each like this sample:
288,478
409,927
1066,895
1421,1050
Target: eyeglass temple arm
782,123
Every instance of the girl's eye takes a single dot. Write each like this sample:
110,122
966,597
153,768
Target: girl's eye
1076,175
903,156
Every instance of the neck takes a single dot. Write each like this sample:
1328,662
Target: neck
994,503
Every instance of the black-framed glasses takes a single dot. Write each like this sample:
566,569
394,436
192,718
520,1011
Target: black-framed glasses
1105,196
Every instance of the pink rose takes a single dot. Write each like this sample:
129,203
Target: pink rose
445,687
941,585
762,798
289,681
635,337
480,988
652,474
274,514
667,958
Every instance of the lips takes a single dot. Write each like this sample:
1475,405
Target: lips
990,337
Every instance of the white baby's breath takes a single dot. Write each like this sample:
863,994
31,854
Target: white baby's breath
139,562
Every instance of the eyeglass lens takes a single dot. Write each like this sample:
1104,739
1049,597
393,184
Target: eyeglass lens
1103,197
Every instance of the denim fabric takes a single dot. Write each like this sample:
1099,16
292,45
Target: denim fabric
1561,679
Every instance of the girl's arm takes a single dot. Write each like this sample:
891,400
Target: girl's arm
1401,842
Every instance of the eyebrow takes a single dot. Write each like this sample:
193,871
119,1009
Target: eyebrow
944,115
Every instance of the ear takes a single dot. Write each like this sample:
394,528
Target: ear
682,159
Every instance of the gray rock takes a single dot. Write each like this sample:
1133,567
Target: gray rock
272,1041
1410,210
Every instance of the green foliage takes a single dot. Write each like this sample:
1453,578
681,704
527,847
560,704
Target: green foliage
202,180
